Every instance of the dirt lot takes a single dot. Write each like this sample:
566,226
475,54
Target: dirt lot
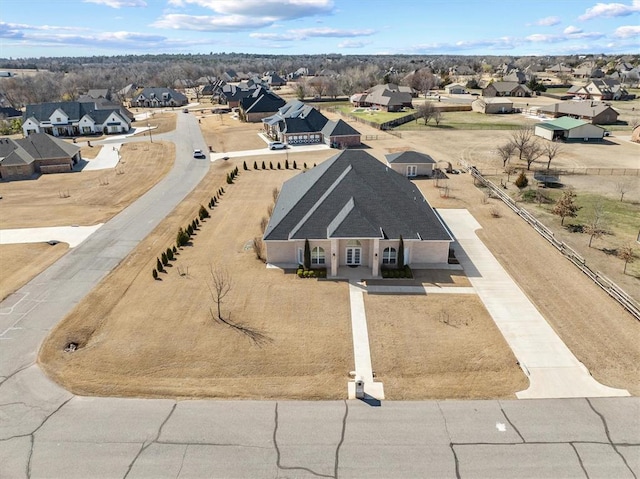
151,338
21,262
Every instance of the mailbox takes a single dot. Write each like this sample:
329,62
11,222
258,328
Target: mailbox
359,388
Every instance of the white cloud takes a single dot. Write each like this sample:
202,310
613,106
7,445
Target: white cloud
306,33
571,30
610,10
548,21
234,15
352,44
627,31
119,3
546,38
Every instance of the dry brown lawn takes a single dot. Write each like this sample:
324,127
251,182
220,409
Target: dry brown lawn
141,337
225,134
164,122
40,202
22,262
90,152
439,346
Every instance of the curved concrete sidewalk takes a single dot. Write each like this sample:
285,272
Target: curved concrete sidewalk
73,235
553,370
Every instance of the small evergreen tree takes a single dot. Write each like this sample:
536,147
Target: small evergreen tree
190,230
286,164
305,165
264,166
155,273
174,250
169,254
255,165
400,257
165,259
159,266
244,165
221,190
236,172
307,255
270,165
295,167
203,213
521,180
229,179
279,167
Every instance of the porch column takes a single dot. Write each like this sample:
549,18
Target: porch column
335,255
376,258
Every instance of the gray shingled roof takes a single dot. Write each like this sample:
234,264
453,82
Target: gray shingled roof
37,146
338,128
74,110
412,157
353,195
298,118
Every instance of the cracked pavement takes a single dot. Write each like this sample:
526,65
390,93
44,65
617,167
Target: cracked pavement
47,432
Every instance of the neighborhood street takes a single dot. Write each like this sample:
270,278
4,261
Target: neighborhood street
47,432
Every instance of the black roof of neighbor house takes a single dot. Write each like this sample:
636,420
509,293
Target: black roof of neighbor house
75,110
353,195
8,112
412,157
261,101
338,128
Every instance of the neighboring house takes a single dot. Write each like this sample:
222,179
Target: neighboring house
155,97
74,118
492,105
9,113
37,153
506,88
353,210
597,113
604,89
298,123
96,93
389,97
569,129
411,163
455,89
260,104
231,94
517,76
559,68
588,70
273,79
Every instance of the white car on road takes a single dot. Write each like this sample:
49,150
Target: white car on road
277,145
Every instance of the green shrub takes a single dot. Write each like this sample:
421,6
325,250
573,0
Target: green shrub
174,250
286,164
189,231
255,165
229,179
244,166
264,166
169,254
521,180
305,165
165,259
159,266
182,238
155,273
203,213
279,167
271,165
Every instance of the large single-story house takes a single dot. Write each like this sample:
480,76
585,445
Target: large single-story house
353,210
72,118
492,105
154,97
37,153
569,129
411,163
388,97
298,123
506,88
597,113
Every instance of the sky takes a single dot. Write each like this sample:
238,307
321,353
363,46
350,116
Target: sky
53,28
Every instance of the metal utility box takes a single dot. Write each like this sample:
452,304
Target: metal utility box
359,388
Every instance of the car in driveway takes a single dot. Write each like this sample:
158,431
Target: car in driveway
277,145
198,154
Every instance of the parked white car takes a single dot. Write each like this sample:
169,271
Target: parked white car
277,145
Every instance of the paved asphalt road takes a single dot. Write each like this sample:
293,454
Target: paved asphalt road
47,432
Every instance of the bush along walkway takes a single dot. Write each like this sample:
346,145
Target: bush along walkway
184,235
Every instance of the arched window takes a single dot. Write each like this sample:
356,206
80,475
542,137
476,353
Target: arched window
389,256
317,255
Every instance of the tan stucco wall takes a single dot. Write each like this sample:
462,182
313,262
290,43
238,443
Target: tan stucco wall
427,251
422,169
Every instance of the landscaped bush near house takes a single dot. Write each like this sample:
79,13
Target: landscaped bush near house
396,273
155,273
165,259
312,273
169,254
159,266
203,213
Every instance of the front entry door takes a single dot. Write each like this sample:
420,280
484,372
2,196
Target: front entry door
354,254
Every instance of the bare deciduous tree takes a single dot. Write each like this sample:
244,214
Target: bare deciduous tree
427,111
595,226
532,152
505,152
628,255
551,149
521,139
623,188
